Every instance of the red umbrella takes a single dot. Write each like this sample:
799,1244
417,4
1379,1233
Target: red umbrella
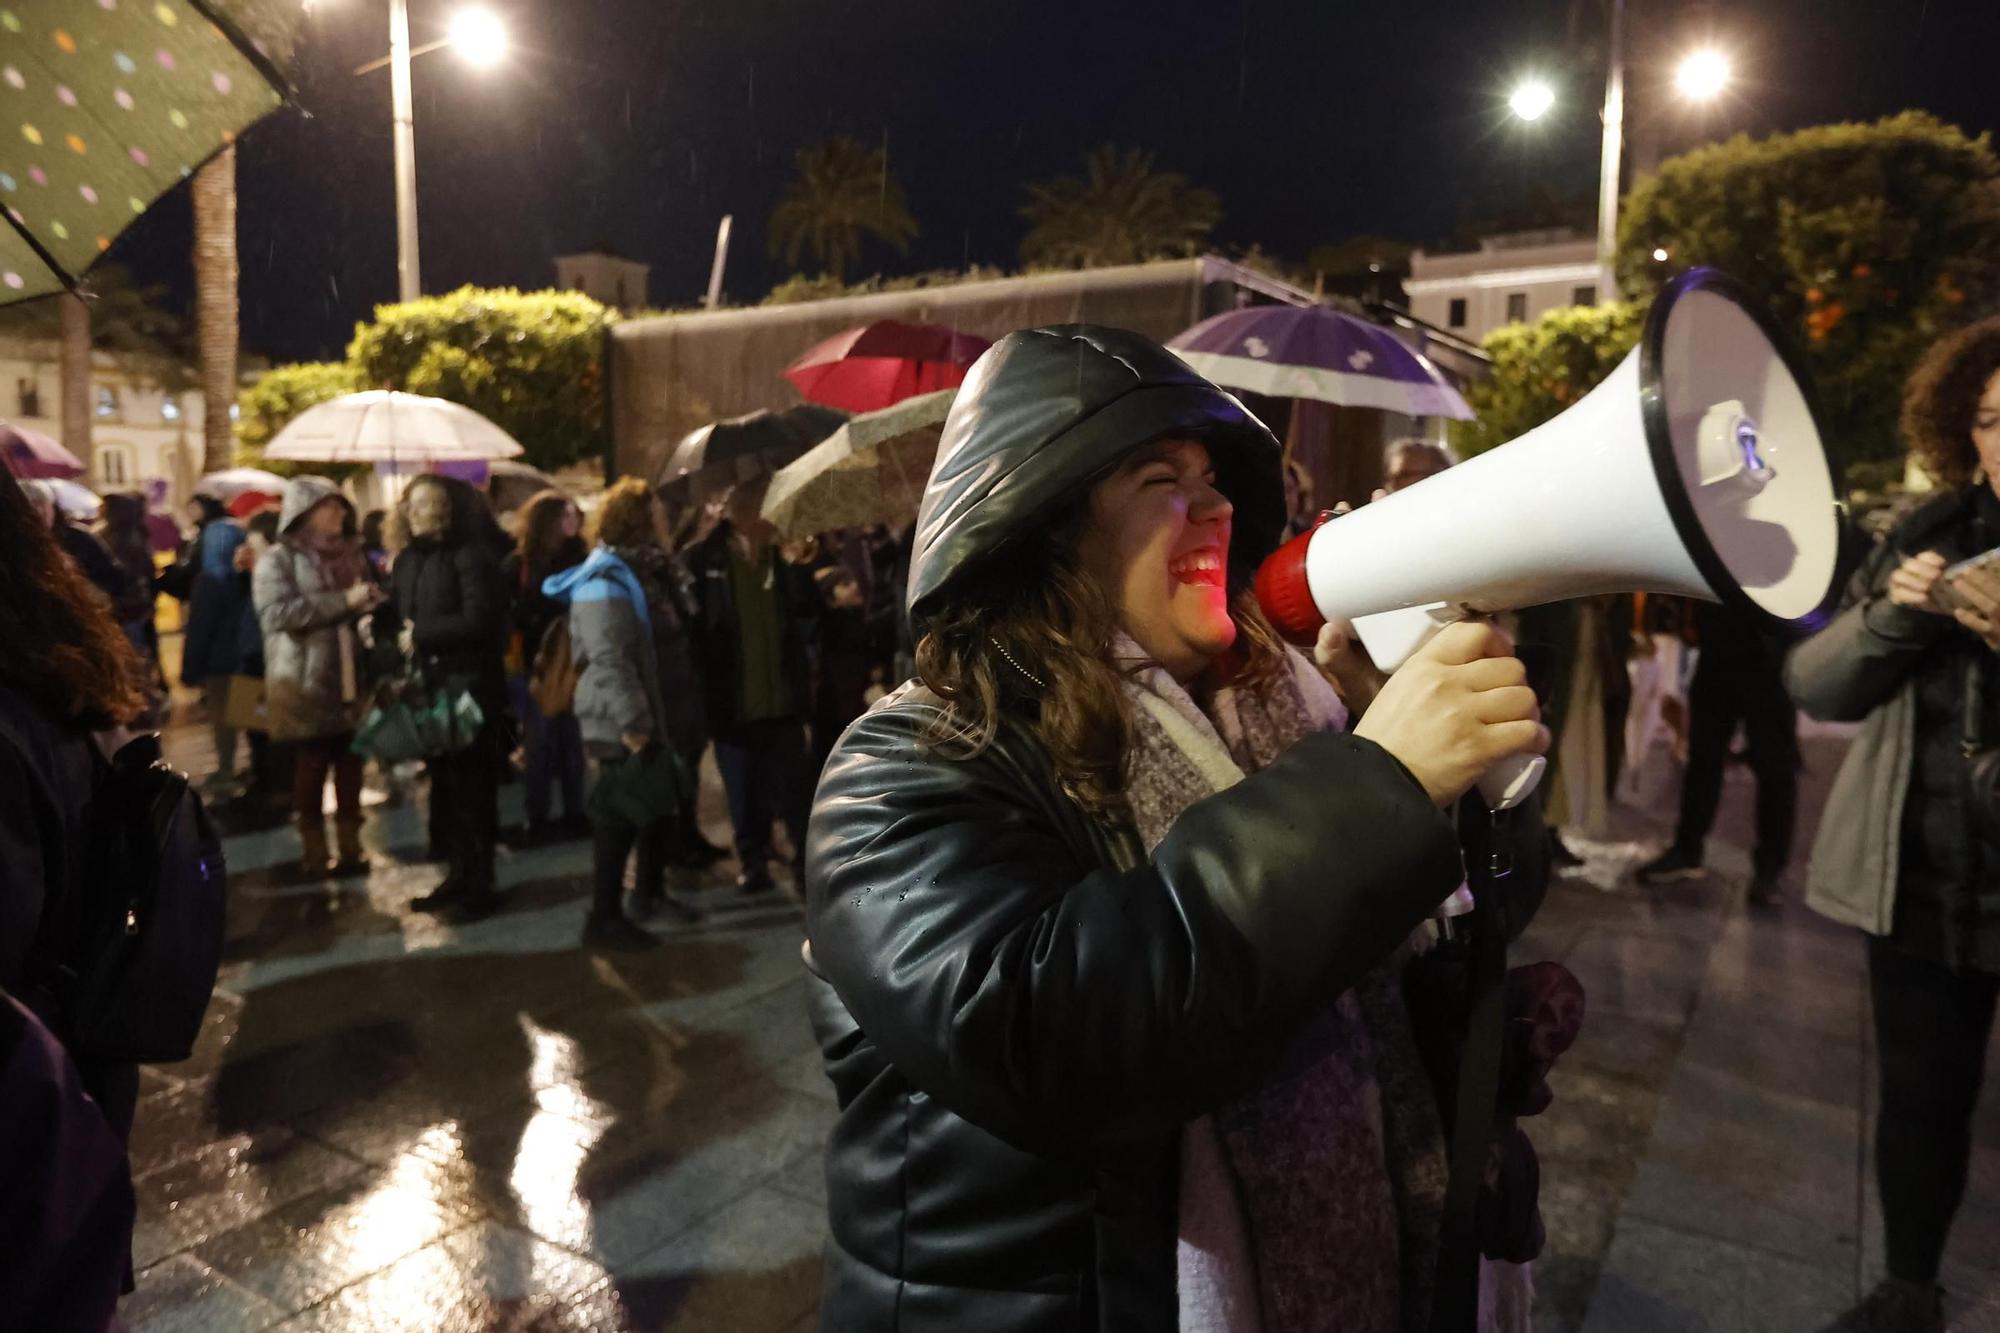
30,453
868,368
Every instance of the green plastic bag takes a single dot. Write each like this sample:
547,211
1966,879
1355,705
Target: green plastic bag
410,721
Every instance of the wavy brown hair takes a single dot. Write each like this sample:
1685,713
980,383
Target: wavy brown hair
625,518
1056,622
541,533
1942,397
64,651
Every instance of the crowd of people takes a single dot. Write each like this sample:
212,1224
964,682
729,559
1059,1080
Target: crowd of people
1166,899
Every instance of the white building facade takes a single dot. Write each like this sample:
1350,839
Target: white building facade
1515,278
142,438
605,278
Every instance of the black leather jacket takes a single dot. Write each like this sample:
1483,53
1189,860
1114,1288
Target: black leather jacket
1018,1011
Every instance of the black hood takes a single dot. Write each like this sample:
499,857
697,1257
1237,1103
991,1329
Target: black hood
1043,412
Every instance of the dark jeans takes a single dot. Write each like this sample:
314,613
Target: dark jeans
310,762
613,841
763,767
465,808
554,748
1932,1026
1718,698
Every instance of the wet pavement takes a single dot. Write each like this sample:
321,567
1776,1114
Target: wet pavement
392,1123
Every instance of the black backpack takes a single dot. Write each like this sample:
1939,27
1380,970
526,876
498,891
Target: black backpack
132,960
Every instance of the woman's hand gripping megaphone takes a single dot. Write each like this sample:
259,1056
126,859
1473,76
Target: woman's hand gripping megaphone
1457,708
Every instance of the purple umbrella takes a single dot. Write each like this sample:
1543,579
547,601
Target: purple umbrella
1318,352
31,454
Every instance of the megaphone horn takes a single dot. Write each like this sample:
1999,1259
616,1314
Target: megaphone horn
1694,469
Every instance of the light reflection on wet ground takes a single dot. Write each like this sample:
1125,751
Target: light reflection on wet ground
392,1124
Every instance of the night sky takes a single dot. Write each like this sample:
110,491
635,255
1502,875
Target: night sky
640,122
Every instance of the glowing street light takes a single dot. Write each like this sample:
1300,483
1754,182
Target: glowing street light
1659,256
478,36
480,40
1702,74
1532,99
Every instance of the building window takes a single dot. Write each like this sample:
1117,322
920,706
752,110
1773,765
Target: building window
107,401
1584,295
114,465
1517,307
170,407
1455,317
28,394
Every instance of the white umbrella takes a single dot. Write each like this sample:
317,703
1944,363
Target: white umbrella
383,426
229,483
74,498
872,470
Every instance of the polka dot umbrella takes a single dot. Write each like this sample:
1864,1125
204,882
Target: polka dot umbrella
105,105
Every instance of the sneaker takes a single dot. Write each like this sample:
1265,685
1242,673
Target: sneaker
1670,867
616,933
1895,1306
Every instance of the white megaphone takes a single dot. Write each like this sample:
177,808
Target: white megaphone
1694,469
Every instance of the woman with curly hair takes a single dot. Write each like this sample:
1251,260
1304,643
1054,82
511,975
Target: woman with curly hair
1909,846
638,703
65,1188
551,541
1108,912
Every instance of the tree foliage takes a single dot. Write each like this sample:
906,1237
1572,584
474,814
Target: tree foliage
530,362
1120,211
1540,369
1866,242
282,392
843,191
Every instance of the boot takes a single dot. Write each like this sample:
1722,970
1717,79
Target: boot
312,846
347,837
1895,1306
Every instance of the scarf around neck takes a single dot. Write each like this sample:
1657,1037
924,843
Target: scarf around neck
1312,1202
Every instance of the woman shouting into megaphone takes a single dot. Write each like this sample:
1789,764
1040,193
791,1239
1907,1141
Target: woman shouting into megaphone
1107,910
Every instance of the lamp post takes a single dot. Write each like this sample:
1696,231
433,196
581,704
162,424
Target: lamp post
480,39
1700,77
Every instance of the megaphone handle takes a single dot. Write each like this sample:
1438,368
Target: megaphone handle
1512,780
1391,637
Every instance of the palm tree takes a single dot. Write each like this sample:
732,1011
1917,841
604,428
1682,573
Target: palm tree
215,276
1120,211
843,190
73,368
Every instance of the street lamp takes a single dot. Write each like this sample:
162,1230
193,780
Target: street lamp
1531,100
478,36
1702,74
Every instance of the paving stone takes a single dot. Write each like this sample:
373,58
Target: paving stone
184,1295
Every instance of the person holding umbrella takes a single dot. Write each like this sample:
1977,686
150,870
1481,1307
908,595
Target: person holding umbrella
753,630
311,589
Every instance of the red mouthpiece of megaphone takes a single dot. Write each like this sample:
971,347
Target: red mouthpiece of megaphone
1282,590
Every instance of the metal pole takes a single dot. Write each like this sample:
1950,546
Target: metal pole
409,285
1614,138
721,258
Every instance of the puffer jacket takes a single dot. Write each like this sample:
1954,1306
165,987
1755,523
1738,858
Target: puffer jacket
450,589
611,646
1896,853
1017,1007
314,670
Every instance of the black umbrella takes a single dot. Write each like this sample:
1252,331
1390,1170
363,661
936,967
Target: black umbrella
725,453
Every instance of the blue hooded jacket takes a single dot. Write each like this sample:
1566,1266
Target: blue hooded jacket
611,643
